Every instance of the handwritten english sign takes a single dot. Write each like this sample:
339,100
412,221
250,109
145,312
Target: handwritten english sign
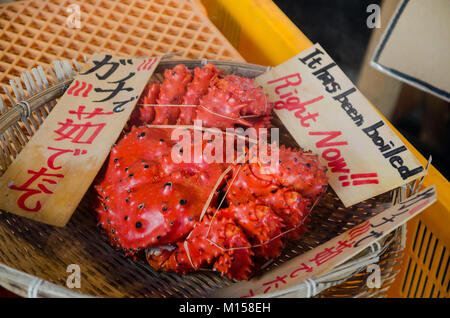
334,252
50,176
326,113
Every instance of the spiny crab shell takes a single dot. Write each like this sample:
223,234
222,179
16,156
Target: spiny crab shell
151,204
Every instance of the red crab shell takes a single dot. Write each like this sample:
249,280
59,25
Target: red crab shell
207,95
145,113
215,240
152,201
146,198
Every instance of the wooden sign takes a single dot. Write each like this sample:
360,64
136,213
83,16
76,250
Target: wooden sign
50,176
326,113
334,252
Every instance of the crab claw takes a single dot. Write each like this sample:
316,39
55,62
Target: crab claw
218,241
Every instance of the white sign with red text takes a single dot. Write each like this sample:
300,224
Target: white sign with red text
326,113
336,251
50,176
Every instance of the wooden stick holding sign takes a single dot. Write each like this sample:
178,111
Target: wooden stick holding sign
50,176
325,113
334,252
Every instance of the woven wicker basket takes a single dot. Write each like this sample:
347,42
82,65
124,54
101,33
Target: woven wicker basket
34,257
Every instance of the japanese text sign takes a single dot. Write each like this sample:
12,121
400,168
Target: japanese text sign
50,176
334,252
326,113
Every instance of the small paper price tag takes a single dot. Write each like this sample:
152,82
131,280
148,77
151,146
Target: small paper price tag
326,113
334,252
50,176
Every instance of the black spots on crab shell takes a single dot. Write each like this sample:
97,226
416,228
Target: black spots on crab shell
125,217
141,206
183,202
127,200
138,225
141,135
168,184
308,165
161,140
164,208
116,160
131,175
146,166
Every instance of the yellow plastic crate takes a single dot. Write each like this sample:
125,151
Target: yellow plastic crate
263,34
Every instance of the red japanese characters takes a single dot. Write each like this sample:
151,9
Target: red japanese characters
96,96
329,143
78,132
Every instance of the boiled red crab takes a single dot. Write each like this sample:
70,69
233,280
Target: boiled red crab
189,215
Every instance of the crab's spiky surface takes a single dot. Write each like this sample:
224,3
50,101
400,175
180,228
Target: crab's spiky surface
261,225
172,91
218,241
246,186
289,188
195,90
147,198
219,109
145,112
244,90
220,101
154,189
291,207
297,169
